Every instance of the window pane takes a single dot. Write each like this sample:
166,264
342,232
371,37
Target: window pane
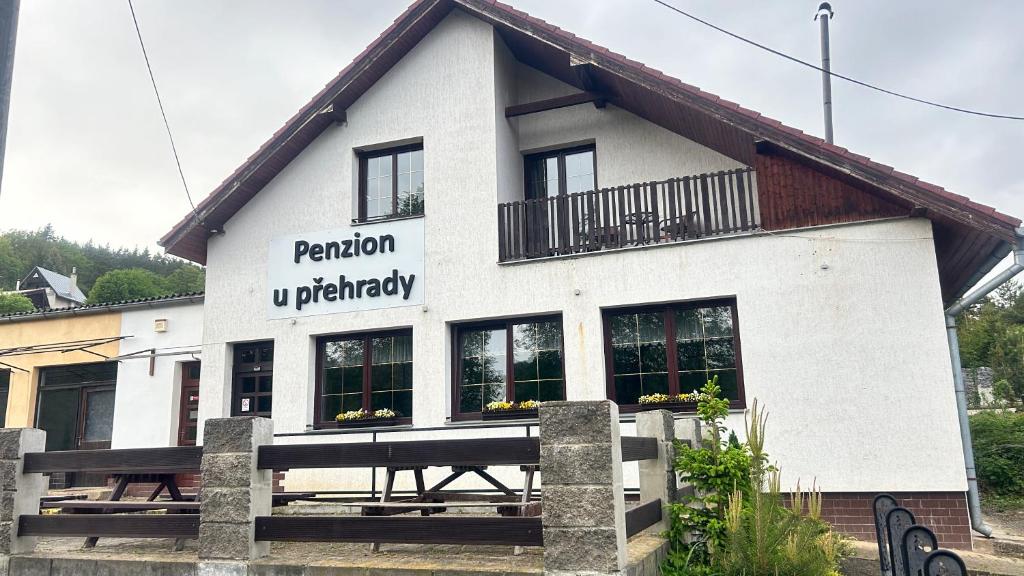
380,378
405,162
264,403
330,407
266,383
417,160
639,355
537,350
248,384
727,381
350,402
483,367
579,172
551,390
717,322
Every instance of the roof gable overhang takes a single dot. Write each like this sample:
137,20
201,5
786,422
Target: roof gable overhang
972,232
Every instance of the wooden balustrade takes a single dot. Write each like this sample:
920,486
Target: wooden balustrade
645,213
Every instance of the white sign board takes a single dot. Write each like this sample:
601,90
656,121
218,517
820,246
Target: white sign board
345,270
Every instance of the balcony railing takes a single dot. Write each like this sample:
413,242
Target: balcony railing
634,215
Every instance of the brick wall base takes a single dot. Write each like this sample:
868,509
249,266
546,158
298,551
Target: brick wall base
944,512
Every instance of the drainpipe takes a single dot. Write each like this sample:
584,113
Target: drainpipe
973,499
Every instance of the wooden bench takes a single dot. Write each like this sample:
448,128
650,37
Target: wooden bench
115,506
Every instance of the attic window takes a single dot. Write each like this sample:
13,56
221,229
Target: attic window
391,183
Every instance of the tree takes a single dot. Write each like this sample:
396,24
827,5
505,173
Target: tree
129,284
14,303
186,279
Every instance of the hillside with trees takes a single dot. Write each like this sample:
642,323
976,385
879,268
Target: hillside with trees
105,274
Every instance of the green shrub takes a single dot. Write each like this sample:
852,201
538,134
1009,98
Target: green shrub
999,452
14,303
737,523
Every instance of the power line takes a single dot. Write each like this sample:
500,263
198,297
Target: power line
830,73
159,102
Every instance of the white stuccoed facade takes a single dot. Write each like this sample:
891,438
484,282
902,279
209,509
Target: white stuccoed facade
146,407
841,327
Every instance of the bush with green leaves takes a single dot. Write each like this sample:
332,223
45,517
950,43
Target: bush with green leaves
130,284
998,439
736,523
14,303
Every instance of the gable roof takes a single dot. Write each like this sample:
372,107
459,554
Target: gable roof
60,283
974,235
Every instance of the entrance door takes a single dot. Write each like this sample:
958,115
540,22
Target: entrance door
188,413
253,380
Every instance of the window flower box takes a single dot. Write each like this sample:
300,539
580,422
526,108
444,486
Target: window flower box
510,410
364,419
676,403
366,423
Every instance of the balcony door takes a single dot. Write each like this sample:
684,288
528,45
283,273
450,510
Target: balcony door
551,176
565,171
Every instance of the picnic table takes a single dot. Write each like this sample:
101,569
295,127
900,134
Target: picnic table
433,500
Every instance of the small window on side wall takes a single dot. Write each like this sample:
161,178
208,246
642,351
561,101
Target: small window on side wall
672,349
507,360
366,372
391,183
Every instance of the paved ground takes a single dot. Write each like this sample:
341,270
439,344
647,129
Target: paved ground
392,559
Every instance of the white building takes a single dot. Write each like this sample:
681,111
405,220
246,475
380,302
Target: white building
158,375
415,239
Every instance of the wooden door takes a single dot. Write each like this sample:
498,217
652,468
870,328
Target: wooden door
188,413
253,380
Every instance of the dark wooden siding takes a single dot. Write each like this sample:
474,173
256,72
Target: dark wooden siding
792,195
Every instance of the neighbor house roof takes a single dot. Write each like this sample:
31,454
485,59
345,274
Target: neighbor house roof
153,302
60,283
971,239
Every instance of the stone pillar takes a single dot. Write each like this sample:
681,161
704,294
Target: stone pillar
658,477
19,492
584,515
233,491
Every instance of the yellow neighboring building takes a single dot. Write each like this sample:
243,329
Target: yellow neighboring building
52,339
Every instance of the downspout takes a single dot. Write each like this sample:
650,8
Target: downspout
973,498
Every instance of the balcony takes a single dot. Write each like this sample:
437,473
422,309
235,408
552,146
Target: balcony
674,210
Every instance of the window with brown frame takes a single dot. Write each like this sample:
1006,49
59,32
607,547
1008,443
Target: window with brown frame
560,172
672,349
253,379
391,183
512,360
368,371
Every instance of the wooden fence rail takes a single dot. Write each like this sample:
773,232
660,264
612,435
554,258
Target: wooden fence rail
514,531
469,452
640,517
111,525
643,213
177,459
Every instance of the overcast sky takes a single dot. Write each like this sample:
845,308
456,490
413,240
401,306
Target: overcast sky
87,152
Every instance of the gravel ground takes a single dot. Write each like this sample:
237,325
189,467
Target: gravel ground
1007,524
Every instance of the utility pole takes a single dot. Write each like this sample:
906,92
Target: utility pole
823,15
8,35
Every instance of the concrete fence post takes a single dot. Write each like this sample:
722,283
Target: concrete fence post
19,492
584,518
233,491
658,477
